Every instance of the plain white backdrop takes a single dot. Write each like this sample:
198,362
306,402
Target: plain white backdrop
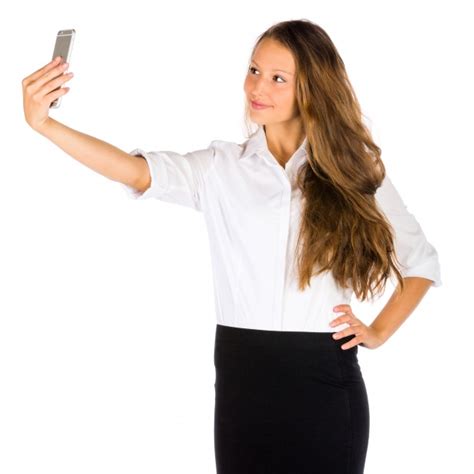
106,304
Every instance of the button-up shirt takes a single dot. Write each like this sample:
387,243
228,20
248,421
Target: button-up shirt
252,210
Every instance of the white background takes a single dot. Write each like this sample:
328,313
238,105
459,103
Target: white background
106,304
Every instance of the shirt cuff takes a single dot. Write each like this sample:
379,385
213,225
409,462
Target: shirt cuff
158,177
425,272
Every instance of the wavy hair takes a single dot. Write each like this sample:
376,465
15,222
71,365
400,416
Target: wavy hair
342,229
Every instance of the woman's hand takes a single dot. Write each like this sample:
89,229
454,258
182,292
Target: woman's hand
365,336
39,93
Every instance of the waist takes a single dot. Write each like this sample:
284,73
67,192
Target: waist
301,340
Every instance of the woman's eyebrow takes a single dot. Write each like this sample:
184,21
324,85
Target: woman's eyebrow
281,70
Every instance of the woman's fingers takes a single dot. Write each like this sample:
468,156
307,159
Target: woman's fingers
55,94
347,331
346,311
32,77
52,73
53,84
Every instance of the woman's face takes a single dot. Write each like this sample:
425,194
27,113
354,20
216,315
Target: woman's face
270,80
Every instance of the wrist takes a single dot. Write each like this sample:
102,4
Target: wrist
43,127
381,334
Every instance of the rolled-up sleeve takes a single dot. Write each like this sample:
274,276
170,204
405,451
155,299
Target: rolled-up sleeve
417,256
176,178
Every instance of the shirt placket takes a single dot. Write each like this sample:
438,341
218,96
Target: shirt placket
283,236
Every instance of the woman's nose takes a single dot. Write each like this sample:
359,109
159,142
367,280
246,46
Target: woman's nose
258,89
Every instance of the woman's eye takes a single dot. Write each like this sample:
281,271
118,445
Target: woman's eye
252,68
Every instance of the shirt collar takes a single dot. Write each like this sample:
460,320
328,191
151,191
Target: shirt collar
257,145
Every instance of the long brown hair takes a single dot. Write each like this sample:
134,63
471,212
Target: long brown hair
342,229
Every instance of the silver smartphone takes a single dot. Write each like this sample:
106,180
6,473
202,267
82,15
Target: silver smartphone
63,48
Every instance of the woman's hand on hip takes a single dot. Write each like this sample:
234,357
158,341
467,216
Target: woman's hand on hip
365,336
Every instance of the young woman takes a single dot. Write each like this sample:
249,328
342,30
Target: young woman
300,216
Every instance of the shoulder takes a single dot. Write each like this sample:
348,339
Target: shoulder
227,148
389,198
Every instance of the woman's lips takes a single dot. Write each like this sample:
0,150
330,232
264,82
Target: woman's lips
258,105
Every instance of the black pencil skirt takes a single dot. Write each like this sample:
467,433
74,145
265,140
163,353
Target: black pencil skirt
288,402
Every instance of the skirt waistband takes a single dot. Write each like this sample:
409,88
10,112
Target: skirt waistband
280,339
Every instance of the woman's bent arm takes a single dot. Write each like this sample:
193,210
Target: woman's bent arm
98,155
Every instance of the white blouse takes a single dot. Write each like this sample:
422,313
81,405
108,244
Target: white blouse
251,206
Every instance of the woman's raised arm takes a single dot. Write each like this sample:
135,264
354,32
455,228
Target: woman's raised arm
99,155
39,90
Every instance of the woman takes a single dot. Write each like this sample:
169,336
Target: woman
300,216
